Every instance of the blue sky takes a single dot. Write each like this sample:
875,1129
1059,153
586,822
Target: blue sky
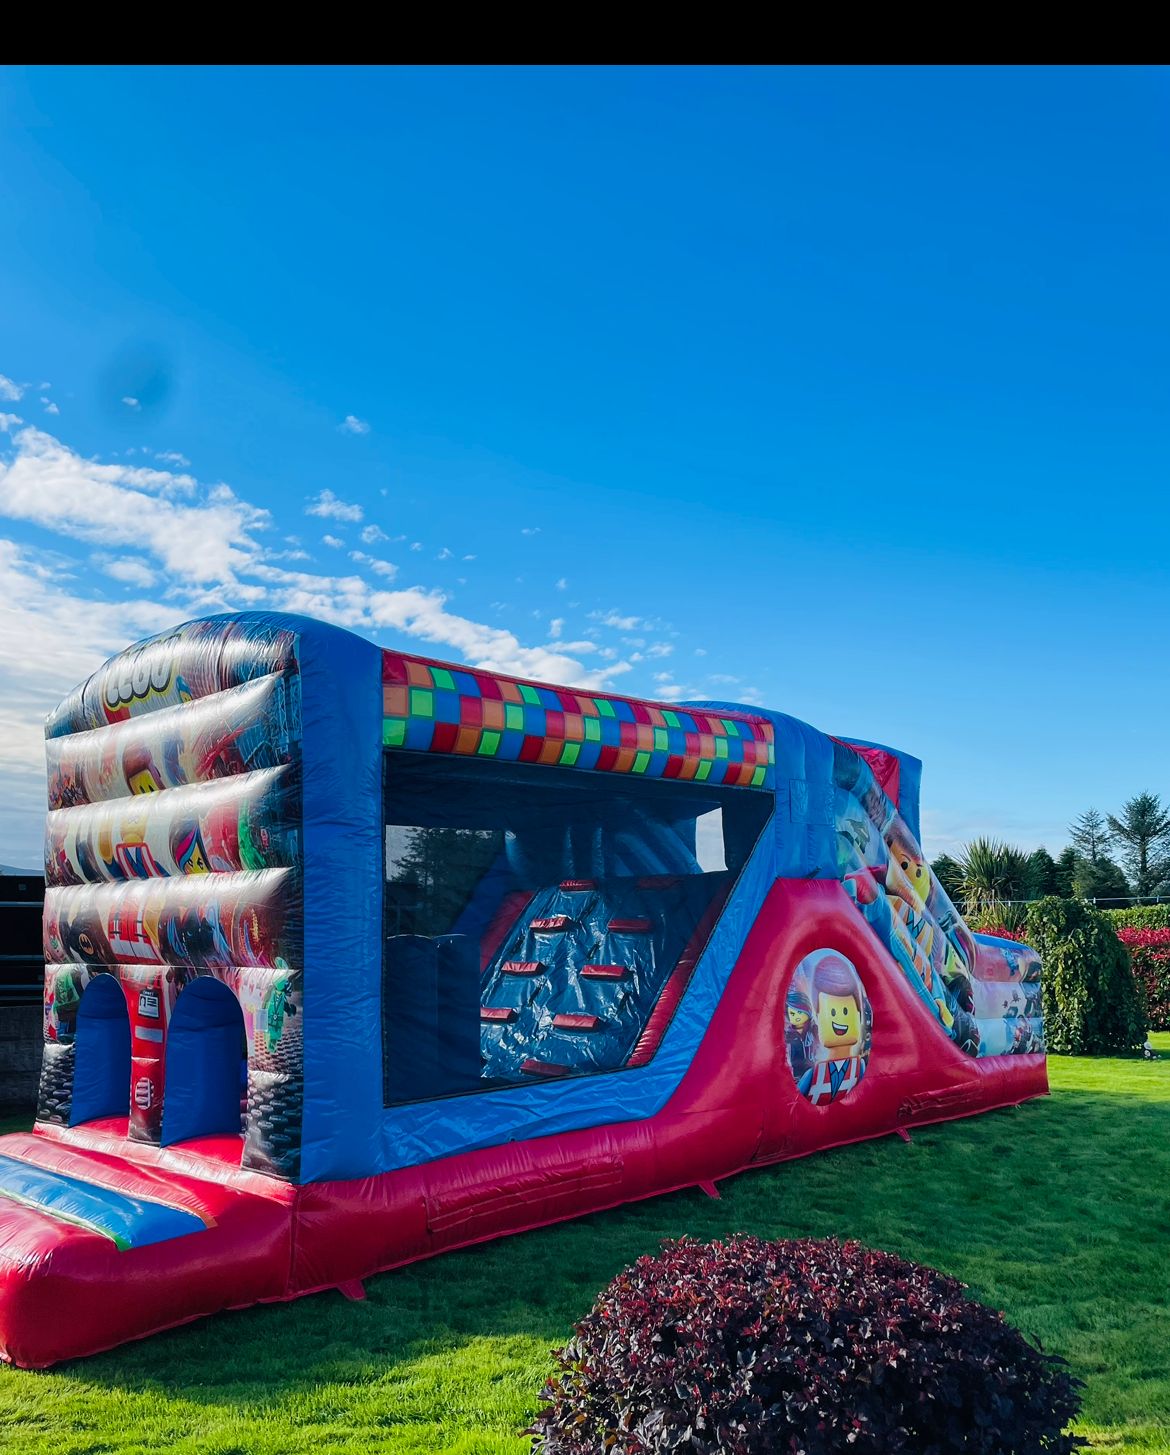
842,391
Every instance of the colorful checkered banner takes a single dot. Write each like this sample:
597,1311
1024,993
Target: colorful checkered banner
432,708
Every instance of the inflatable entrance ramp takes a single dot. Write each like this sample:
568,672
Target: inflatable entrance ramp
353,957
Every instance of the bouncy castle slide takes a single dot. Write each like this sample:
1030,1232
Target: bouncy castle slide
354,957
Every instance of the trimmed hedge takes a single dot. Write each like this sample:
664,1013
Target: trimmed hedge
1141,917
747,1347
1092,1005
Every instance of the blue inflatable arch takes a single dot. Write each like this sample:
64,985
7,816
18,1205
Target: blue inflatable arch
205,1061
101,1078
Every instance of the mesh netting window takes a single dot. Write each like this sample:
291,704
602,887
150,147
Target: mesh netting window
543,922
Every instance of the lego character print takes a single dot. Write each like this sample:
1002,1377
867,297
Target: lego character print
828,1027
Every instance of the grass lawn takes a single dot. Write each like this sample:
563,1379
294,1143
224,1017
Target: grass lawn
1058,1213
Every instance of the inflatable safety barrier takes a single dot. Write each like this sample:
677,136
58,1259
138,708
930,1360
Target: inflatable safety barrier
353,957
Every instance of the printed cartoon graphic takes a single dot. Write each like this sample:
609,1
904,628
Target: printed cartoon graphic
177,764
828,1027
886,874
140,772
187,850
62,1001
144,674
800,1031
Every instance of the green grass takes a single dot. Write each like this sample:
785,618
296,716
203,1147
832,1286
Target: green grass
1058,1213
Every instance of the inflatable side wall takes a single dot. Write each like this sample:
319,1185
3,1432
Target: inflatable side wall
353,957
213,817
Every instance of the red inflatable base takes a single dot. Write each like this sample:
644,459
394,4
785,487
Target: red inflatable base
67,1289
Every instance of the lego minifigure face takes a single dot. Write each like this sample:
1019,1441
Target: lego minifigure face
144,781
838,1020
829,1056
915,870
196,863
913,867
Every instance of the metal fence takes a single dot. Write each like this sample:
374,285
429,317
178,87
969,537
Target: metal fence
22,962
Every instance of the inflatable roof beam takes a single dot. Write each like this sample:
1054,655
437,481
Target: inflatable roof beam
353,957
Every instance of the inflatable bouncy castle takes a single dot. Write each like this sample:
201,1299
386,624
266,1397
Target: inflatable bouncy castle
353,957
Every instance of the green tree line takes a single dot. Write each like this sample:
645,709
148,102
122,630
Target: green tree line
1115,859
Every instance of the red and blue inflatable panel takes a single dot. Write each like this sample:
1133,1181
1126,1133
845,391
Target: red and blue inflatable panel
353,957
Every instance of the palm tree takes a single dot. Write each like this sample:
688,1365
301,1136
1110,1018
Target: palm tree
992,873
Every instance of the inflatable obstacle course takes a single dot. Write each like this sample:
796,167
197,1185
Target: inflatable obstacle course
353,957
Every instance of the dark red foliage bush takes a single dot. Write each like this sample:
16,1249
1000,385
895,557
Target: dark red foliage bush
1149,953
805,1347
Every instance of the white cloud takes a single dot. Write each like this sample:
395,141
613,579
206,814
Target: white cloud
659,649
469,558
530,530
329,507
416,545
172,457
351,424
50,640
352,602
616,620
700,651
10,389
372,534
562,584
556,626
334,541
202,542
10,421
130,402
382,568
723,679
191,548
445,554
50,407
131,570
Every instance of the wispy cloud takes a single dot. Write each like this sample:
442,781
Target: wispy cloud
204,541
351,424
131,570
10,389
530,530
172,457
51,638
50,407
329,507
372,534
386,569
130,402
616,620
183,547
